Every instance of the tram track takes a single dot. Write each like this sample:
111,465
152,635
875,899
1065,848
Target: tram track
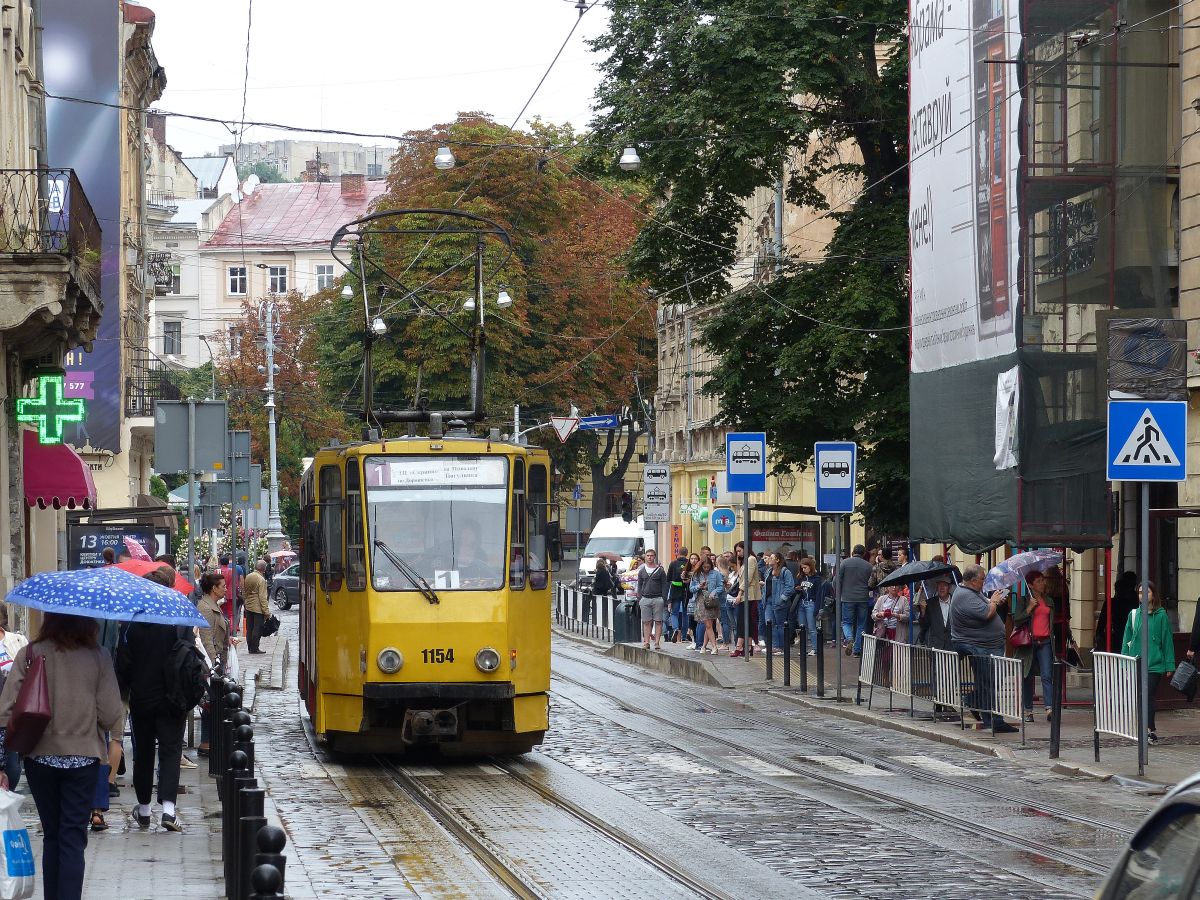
504,864
824,776
887,764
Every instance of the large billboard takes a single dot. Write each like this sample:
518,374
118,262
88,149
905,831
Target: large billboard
81,46
964,158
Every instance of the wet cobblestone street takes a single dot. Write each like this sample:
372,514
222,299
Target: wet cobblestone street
699,792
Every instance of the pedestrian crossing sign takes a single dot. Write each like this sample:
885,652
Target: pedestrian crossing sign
1147,440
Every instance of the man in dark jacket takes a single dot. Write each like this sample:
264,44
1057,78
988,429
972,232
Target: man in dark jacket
143,650
602,586
850,584
677,594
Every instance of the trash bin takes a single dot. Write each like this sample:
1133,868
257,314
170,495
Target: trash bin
627,629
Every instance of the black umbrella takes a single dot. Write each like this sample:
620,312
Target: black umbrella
918,570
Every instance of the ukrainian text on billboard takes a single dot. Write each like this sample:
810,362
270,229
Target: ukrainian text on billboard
963,117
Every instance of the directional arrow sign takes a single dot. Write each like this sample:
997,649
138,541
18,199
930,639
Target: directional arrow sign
594,423
564,426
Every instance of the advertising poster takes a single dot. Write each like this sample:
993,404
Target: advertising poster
79,51
771,536
963,148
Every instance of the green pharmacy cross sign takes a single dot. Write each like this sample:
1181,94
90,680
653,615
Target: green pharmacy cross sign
50,409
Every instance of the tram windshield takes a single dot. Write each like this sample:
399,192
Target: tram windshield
442,515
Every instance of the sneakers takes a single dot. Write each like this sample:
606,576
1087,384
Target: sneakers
848,648
812,652
1152,737
171,823
1029,715
143,822
1005,728
185,763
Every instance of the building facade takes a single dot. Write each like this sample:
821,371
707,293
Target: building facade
331,158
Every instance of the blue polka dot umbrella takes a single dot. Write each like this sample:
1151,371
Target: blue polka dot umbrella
106,593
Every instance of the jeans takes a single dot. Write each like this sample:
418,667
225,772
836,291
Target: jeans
806,615
779,618
12,768
980,697
764,619
161,726
856,615
698,630
1043,657
64,800
727,620
679,617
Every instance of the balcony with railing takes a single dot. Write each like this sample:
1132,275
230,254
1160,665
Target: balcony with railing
46,212
146,385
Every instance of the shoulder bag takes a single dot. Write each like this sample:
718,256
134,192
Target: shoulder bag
31,711
1022,636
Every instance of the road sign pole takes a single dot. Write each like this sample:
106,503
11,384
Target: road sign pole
1144,613
746,641
191,487
837,602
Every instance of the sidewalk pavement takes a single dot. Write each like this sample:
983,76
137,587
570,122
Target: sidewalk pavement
1176,756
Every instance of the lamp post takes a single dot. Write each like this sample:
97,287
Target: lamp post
268,317
212,361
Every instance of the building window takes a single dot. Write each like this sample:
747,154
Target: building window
237,281
174,288
172,338
324,276
278,279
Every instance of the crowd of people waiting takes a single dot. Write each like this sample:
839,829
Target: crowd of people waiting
708,600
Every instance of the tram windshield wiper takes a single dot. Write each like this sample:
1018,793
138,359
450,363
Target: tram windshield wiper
408,572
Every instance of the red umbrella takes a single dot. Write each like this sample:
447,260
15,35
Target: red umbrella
145,567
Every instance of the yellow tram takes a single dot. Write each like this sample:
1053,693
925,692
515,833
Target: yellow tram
425,594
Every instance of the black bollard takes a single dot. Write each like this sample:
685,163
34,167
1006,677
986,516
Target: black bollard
804,658
1056,707
820,662
267,882
243,739
787,654
222,738
236,769
251,803
770,636
271,841
214,714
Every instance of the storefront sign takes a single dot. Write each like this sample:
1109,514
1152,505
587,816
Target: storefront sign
50,409
771,536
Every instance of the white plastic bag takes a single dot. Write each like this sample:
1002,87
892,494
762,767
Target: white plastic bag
16,869
232,664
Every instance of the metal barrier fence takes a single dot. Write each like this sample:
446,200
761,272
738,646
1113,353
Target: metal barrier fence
1118,697
584,613
988,684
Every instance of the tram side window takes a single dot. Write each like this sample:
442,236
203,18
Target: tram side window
538,504
517,555
356,564
330,512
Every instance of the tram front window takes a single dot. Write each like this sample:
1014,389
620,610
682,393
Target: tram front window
444,516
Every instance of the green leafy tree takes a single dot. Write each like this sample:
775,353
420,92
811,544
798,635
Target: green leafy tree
718,95
266,172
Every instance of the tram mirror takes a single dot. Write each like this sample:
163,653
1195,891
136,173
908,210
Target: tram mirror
554,540
312,544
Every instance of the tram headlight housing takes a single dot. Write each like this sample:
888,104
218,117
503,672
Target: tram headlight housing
389,660
487,660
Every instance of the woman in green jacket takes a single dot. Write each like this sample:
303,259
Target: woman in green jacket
1162,646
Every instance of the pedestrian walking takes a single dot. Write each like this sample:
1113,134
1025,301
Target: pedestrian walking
977,632
651,594
257,608
851,582
1033,642
11,643
710,586
677,594
777,599
1162,648
157,725
63,767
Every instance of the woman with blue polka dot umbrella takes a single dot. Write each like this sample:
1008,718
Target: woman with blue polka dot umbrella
106,593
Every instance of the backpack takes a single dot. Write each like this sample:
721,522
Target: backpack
186,675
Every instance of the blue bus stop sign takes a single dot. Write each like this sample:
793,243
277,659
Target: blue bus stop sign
837,467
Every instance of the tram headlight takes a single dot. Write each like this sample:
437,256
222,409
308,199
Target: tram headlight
389,660
487,660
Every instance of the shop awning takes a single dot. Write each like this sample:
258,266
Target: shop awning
56,476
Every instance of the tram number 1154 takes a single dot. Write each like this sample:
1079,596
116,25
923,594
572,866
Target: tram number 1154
438,655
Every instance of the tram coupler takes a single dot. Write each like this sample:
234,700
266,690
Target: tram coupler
427,724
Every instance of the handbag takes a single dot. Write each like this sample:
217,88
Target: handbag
31,711
1185,678
270,627
1022,636
709,601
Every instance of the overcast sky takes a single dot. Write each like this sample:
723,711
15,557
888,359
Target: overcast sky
369,65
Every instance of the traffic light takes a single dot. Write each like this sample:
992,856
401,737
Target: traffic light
627,506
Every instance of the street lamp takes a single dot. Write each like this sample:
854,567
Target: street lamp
268,317
630,161
444,159
212,363
503,299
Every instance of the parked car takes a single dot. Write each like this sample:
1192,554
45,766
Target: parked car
285,587
1162,859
